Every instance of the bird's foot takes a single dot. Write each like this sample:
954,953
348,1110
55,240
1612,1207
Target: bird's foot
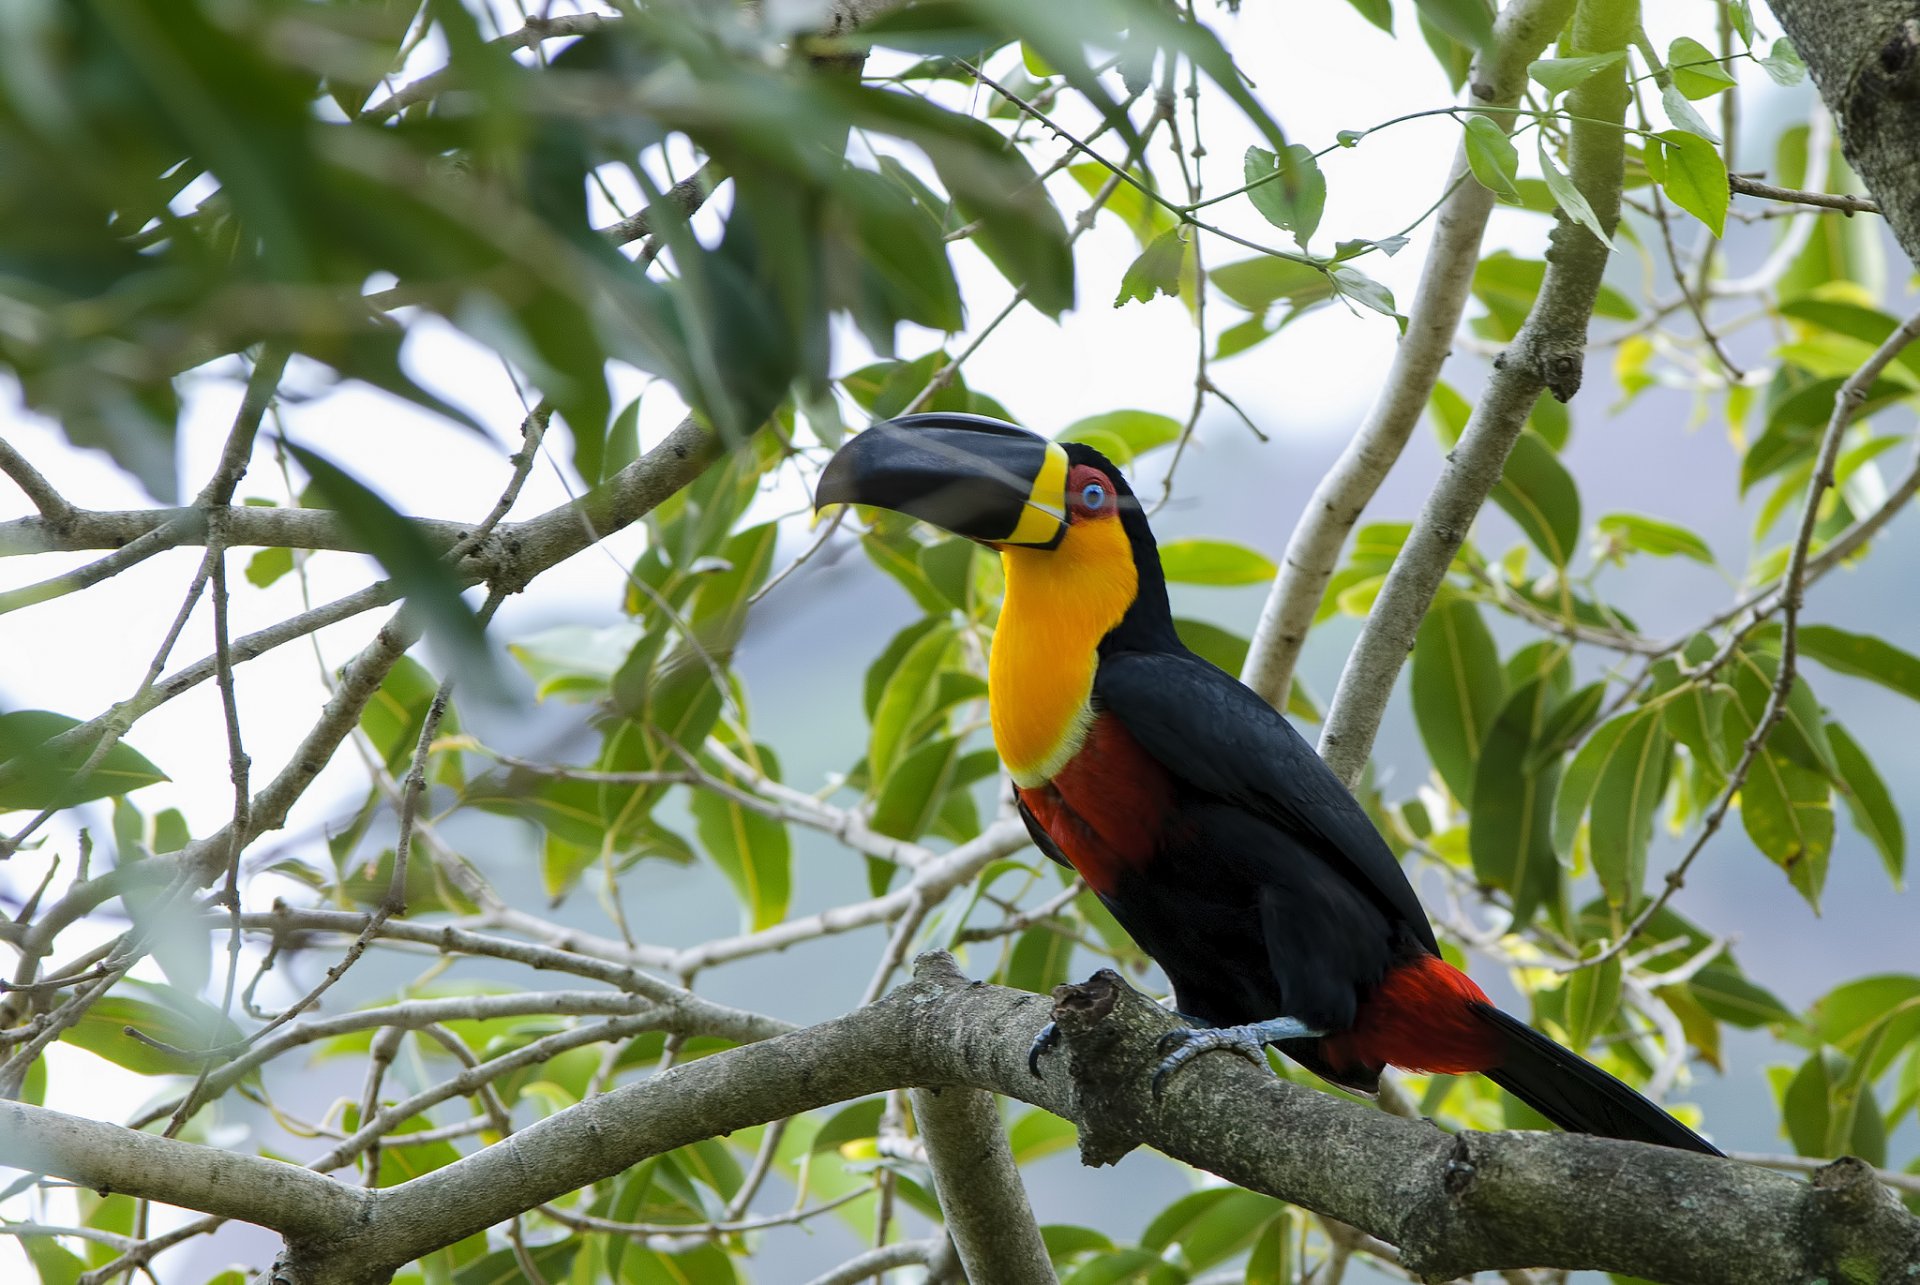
1045,1042
1250,1041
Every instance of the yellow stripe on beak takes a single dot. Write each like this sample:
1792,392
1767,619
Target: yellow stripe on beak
1044,514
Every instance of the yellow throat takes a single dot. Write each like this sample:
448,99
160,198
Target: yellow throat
1059,604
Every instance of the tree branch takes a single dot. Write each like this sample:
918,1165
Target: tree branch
981,1195
1547,355
1864,55
1451,1204
1524,29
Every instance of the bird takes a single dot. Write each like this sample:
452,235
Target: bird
1215,834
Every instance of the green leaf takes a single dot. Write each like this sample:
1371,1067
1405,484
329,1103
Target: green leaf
915,790
1509,285
1258,284
1558,75
1538,493
1654,537
1696,71
52,1262
1378,12
1468,21
1582,779
1289,191
907,696
1364,290
1783,63
31,777
1215,562
1683,116
1510,837
1040,960
1156,271
1492,158
1729,996
753,851
1590,999
1788,814
1458,690
1124,435
161,1013
1863,656
268,565
1568,196
1695,178
417,569
552,1260
1869,802
1625,798
1801,733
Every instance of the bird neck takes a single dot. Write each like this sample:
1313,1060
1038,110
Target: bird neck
1060,603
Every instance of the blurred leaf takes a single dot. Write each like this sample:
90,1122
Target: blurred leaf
552,1260
1558,75
1258,284
1863,656
1654,537
1378,12
1215,562
1041,1133
1869,802
1732,998
1124,435
417,569
1040,959
1458,690
33,778
1783,63
268,565
183,1022
1468,21
1507,286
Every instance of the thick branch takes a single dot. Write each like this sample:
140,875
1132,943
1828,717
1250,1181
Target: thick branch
981,1195
1865,57
1523,31
1547,355
1453,1205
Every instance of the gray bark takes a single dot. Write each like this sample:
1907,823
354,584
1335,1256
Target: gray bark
1865,57
1453,1204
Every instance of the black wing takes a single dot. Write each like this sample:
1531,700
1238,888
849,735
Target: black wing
1213,733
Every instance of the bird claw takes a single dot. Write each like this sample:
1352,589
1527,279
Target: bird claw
1182,1044
1045,1042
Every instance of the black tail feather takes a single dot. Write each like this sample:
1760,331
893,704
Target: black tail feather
1577,1095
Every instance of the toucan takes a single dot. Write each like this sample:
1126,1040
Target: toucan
1218,838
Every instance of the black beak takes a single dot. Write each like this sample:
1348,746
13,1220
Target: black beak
967,474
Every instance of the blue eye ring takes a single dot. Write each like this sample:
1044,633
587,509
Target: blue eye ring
1093,495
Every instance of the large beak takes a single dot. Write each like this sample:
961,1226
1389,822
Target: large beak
967,474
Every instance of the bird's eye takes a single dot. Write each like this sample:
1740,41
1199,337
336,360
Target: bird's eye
1093,495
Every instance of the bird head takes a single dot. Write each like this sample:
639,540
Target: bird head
980,478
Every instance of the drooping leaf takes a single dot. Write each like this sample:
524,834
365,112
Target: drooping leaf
1457,688
1625,798
1695,178
33,777
1156,271
1511,836
1538,493
1869,802
1492,158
